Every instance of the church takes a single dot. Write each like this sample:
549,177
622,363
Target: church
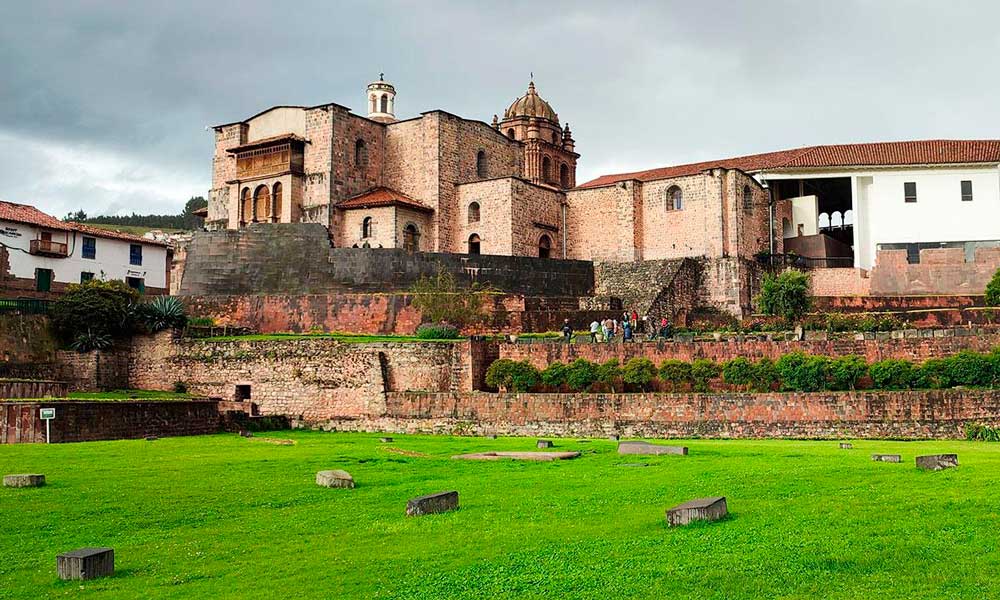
433,183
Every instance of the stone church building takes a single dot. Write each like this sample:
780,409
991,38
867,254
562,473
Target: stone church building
433,183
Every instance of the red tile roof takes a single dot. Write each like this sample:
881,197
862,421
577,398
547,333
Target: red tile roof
114,234
382,196
22,213
274,139
876,154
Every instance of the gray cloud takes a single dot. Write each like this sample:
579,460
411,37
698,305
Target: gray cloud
103,104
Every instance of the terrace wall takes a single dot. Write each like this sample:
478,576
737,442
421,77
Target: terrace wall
21,388
91,421
862,414
913,348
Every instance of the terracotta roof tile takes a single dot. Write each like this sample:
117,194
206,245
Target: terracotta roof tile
925,152
23,213
114,234
274,139
382,196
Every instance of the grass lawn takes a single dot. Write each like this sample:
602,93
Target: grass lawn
225,517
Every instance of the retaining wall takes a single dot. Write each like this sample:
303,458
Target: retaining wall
20,388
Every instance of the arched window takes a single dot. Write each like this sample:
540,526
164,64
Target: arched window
371,103
261,204
747,198
511,134
674,198
546,169
366,228
848,218
824,221
544,246
411,238
360,154
474,244
474,212
564,175
276,203
385,103
246,207
481,164
836,219
555,139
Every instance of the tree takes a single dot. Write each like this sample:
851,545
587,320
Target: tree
993,290
786,295
95,308
78,216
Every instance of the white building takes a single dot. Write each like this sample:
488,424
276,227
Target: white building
40,255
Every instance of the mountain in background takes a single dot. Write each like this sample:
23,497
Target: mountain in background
186,220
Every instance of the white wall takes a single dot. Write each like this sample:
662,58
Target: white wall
805,212
111,260
276,122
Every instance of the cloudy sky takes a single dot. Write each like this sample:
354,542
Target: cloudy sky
103,105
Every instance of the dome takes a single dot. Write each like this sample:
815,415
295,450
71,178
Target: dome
531,105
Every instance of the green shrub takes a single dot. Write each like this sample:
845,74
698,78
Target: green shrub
162,312
675,373
993,290
85,341
894,374
438,331
554,375
740,372
201,322
786,295
846,371
802,372
703,371
935,373
639,372
977,432
766,375
609,372
512,376
97,307
970,369
581,374
180,387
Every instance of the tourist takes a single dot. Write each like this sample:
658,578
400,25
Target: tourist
627,332
666,330
595,328
567,331
635,319
604,330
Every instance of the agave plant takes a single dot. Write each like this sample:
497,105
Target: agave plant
163,312
85,341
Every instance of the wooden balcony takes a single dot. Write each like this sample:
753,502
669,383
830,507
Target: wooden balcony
49,248
272,160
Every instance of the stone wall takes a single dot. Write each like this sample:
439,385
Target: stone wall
940,271
91,421
913,348
839,282
296,258
24,388
659,288
25,339
861,414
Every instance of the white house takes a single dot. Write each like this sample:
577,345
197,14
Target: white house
40,255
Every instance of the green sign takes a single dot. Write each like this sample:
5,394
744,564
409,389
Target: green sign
47,413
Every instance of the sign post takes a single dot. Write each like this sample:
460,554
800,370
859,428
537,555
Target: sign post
47,414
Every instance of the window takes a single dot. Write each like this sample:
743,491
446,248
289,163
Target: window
564,175
135,254
246,206
360,154
474,244
371,104
747,198
85,276
966,190
411,238
89,247
136,283
511,134
546,169
910,191
242,393
555,139
261,204
43,280
366,228
474,212
544,246
481,164
276,203
675,198
385,103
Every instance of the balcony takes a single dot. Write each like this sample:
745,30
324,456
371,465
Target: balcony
49,248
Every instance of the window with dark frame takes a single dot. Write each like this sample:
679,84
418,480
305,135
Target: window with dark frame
43,280
135,254
85,276
910,191
89,247
966,190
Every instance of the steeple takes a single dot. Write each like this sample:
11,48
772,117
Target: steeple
381,100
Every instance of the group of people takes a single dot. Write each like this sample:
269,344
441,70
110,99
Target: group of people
626,328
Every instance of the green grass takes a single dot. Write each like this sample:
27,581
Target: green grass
225,517
133,229
111,396
351,338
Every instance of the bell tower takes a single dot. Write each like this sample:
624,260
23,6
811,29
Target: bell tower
381,100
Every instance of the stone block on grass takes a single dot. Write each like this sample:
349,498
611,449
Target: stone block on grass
432,504
846,445
385,440
86,563
544,444
536,456
937,462
700,509
334,479
647,448
890,458
24,480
